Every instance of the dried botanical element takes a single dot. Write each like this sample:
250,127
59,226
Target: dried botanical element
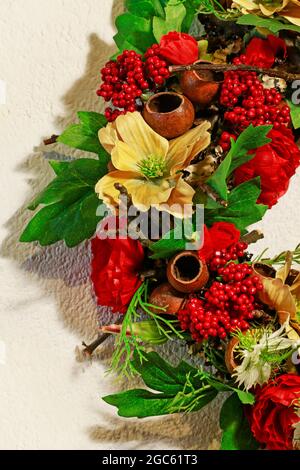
288,9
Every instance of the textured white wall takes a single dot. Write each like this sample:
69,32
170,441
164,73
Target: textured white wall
51,53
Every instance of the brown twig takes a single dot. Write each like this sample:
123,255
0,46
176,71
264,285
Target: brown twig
52,140
252,237
90,348
213,195
287,76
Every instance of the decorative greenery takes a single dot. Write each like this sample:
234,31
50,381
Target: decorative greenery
272,24
182,389
242,209
134,333
281,258
213,7
134,32
236,431
146,21
175,13
173,241
84,136
70,204
250,139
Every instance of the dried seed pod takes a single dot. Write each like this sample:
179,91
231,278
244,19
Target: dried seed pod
186,272
167,297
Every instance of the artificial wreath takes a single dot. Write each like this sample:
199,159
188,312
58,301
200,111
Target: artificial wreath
201,112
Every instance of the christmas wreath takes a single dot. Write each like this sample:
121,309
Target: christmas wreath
198,140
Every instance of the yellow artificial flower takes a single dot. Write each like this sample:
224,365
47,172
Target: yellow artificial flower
148,165
288,9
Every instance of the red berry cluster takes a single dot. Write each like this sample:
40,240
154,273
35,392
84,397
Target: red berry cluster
249,102
225,140
222,257
156,68
228,304
125,79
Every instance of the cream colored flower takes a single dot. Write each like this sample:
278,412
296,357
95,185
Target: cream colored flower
148,165
256,362
288,9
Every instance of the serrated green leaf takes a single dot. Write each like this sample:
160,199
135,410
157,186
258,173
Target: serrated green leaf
242,209
140,403
134,31
162,376
251,138
273,25
177,386
175,13
70,205
84,136
295,114
145,8
236,431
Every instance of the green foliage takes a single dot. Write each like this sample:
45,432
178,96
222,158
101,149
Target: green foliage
146,21
84,136
242,208
134,32
280,259
145,8
173,241
236,431
181,388
175,13
251,138
295,114
273,25
70,205
134,332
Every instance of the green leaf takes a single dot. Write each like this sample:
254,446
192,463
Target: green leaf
295,114
162,376
173,241
145,8
218,181
269,23
242,208
134,32
180,387
70,205
251,138
175,13
236,431
84,136
140,403
191,6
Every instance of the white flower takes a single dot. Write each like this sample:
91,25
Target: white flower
255,367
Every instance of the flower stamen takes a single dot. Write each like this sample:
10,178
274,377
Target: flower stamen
153,166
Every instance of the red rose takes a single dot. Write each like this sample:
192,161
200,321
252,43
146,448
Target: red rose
220,236
275,163
115,266
263,52
179,48
273,416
